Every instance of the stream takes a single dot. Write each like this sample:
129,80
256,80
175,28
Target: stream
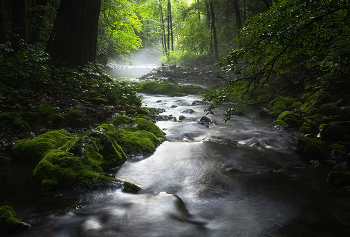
240,178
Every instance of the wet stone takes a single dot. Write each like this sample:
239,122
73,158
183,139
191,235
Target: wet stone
188,111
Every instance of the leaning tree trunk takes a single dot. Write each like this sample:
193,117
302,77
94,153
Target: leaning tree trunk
74,35
213,27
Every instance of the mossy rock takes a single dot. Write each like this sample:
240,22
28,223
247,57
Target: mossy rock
339,178
55,120
107,146
333,132
32,150
338,147
292,119
306,128
329,109
263,97
164,88
74,118
312,148
280,104
130,188
295,105
312,100
135,143
14,120
63,169
8,221
280,123
330,118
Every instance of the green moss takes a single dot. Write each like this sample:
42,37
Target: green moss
280,104
292,119
139,142
55,120
338,147
74,117
113,154
329,109
32,150
164,88
8,220
63,169
330,118
321,126
306,128
13,120
338,178
333,132
143,124
312,100
312,148
263,97
130,187
295,105
280,123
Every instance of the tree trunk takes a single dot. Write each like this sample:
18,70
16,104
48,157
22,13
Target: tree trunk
39,20
74,35
171,27
238,16
2,26
168,19
213,27
163,29
18,20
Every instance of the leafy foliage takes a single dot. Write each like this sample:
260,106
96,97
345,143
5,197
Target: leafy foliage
291,34
118,27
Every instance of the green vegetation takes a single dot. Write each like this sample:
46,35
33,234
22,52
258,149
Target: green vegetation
168,87
65,161
8,221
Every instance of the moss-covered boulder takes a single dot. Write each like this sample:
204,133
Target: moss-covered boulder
32,150
168,87
333,132
313,100
130,188
295,105
8,221
14,120
306,128
292,119
313,149
329,109
280,104
339,178
280,123
64,169
138,142
330,118
136,136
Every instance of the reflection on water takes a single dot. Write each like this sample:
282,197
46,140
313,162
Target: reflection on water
241,178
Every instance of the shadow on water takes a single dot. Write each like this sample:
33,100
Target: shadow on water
241,178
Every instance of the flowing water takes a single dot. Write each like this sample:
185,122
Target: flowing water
241,178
